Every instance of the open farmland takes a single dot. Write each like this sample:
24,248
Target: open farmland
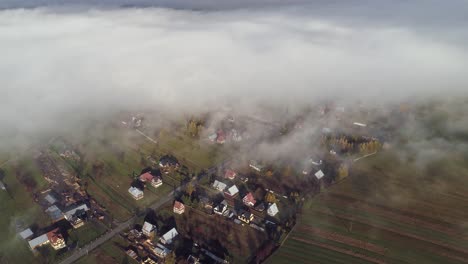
387,211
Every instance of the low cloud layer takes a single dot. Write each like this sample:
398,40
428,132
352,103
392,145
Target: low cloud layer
60,67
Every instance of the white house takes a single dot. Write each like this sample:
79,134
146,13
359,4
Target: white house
219,185
319,174
232,191
136,193
169,236
148,229
272,209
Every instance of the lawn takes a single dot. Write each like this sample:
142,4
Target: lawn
385,208
108,253
87,233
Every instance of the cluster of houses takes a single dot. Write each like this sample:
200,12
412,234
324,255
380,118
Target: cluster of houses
75,214
53,238
166,165
144,248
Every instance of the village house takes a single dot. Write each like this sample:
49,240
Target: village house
132,253
231,192
168,162
230,174
76,215
221,208
148,229
319,174
272,209
150,260
136,193
207,204
156,182
179,208
245,216
220,186
146,177
50,199
249,200
56,239
169,236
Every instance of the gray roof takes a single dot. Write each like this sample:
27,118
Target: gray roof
50,199
2,186
147,227
54,213
26,233
170,235
69,214
38,241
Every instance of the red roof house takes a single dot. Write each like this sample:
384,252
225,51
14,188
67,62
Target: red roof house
249,200
221,137
230,174
179,208
146,177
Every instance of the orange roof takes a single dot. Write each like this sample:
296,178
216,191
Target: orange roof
54,235
146,177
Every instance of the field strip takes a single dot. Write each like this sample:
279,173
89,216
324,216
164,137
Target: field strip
340,250
437,243
366,207
344,240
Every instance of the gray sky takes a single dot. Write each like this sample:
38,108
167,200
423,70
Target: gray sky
62,64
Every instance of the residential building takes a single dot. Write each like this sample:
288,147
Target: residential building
169,236
230,174
245,216
249,200
272,209
50,199
146,177
319,174
168,161
156,182
232,191
76,215
219,185
149,260
179,208
220,137
148,229
136,193
221,208
56,239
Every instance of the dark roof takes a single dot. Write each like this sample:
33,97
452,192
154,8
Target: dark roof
168,160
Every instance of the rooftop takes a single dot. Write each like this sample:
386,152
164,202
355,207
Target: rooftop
26,233
35,242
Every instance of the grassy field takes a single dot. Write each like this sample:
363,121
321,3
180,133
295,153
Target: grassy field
18,211
387,211
108,253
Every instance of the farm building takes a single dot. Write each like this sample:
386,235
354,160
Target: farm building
25,234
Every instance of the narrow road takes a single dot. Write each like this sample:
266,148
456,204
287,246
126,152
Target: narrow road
109,235
127,224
